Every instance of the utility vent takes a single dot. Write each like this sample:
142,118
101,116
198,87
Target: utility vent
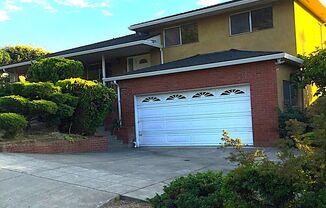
138,62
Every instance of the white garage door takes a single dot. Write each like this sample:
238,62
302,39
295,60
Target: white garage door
194,118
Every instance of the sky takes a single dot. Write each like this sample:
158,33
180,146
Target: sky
61,24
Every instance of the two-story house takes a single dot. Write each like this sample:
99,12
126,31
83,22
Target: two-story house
183,79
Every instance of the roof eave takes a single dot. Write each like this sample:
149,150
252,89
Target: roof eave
201,12
148,42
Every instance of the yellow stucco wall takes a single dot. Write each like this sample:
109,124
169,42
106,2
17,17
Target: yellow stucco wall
310,34
214,35
308,30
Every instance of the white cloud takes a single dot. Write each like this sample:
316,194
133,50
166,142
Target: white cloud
43,3
83,3
160,13
210,2
77,3
106,12
11,6
4,16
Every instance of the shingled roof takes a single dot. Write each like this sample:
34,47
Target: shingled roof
209,58
103,44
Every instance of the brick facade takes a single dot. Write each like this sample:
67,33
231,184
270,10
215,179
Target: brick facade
96,144
263,85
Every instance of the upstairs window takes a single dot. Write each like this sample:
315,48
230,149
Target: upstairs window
262,19
251,21
181,35
172,36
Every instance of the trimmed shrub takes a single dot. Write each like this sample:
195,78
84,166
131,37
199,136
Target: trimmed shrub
11,124
95,101
54,69
43,108
60,98
40,90
195,191
14,104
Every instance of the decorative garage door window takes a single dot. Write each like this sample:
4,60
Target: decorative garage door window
233,92
202,95
151,99
176,97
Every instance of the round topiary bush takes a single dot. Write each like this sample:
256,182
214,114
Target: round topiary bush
11,124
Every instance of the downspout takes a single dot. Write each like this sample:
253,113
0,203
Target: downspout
103,68
119,102
162,55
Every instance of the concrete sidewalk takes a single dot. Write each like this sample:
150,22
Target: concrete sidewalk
90,180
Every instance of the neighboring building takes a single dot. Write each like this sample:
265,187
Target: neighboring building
183,79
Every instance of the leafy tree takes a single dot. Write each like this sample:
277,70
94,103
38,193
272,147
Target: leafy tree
21,53
54,69
314,71
4,57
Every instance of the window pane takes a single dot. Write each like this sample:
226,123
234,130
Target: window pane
189,33
172,36
240,23
262,18
286,93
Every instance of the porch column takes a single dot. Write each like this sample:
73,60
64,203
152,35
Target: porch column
103,69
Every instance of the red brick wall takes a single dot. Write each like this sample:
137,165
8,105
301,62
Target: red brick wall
96,144
260,75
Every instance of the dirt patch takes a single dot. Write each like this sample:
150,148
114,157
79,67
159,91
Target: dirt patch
41,136
128,203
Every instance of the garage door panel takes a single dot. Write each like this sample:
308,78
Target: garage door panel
195,123
187,120
205,139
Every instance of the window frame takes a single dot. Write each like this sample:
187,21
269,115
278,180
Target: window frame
180,35
250,20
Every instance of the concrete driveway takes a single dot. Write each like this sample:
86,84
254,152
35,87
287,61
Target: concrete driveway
90,180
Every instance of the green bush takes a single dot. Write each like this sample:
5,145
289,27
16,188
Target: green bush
60,98
95,101
11,124
39,90
290,113
14,104
195,191
43,108
265,185
313,200
54,69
